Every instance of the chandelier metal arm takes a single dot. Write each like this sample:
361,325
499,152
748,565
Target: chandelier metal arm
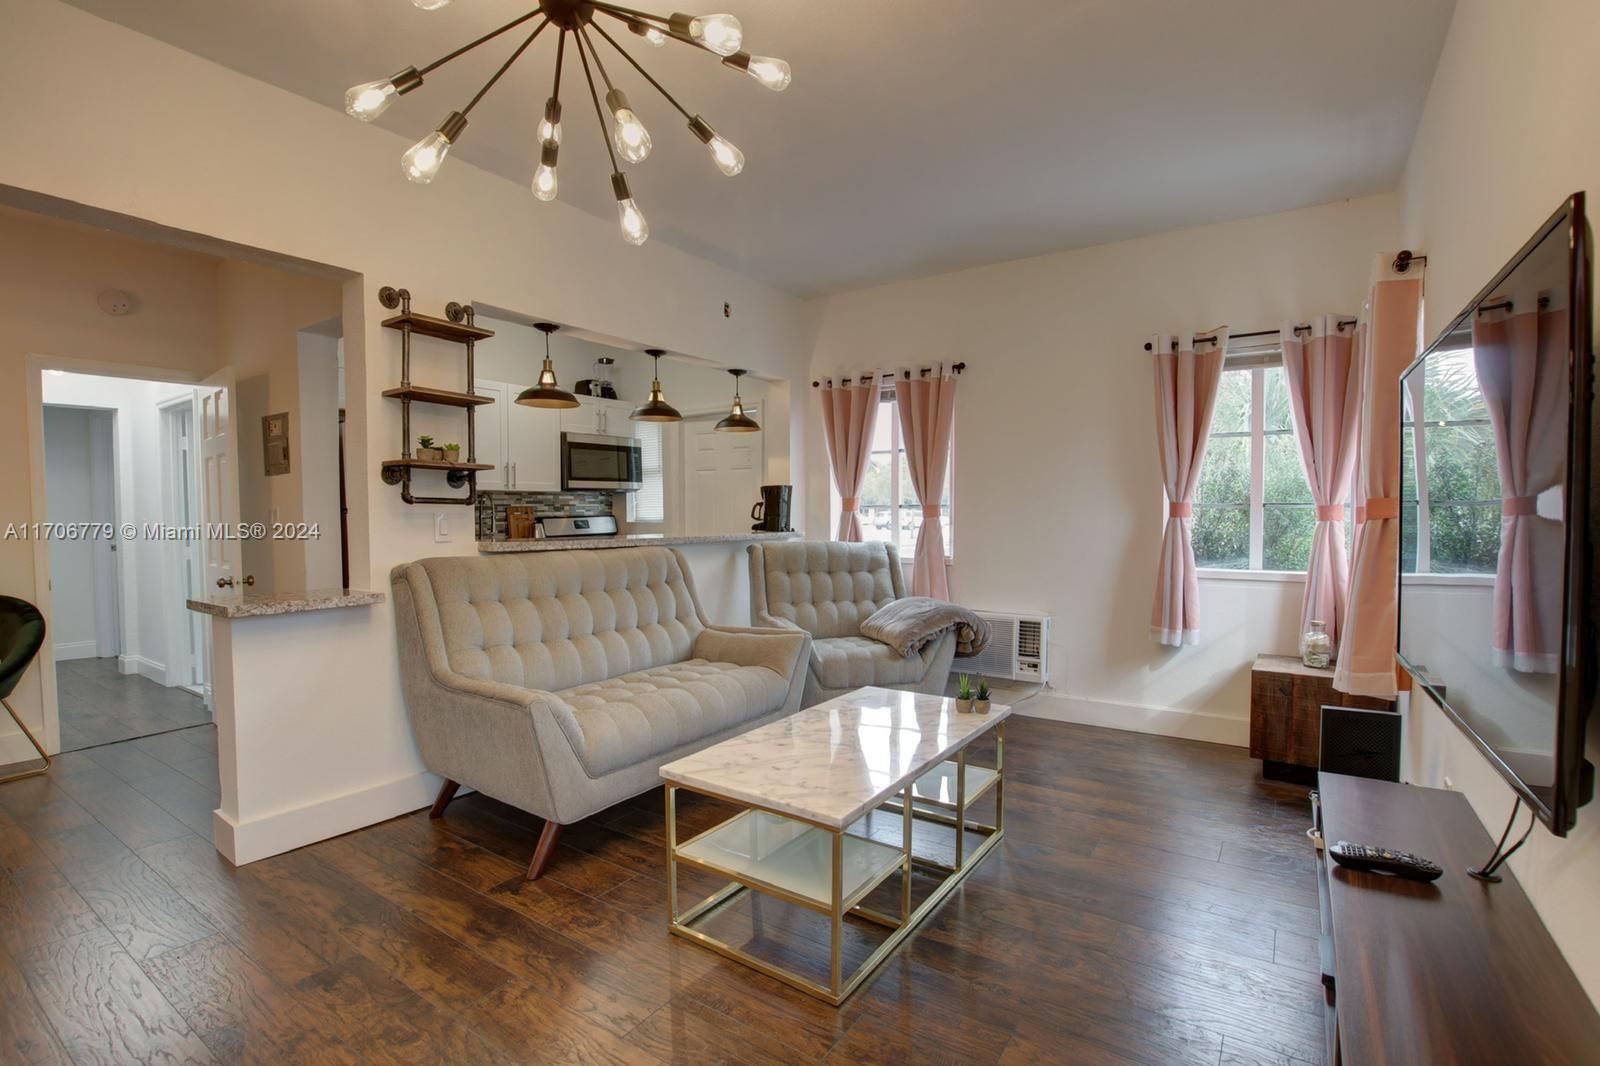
599,113
605,78
561,51
636,66
464,49
523,47
625,13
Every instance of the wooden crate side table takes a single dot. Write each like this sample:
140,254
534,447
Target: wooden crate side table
1286,701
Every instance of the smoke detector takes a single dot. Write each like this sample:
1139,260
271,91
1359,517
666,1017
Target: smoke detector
115,302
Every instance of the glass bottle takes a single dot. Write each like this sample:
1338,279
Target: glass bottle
1316,647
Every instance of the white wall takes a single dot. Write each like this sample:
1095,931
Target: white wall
79,466
239,172
1509,130
1057,493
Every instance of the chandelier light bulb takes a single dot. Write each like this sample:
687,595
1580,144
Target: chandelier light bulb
635,230
366,102
651,34
544,178
722,34
550,124
371,99
772,73
422,160
544,183
431,5
726,155
628,134
724,152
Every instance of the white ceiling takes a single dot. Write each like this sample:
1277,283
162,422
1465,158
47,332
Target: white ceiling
919,136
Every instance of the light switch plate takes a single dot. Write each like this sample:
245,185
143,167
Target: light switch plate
441,528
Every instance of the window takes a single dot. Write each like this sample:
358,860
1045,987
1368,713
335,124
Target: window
1450,487
889,510
649,503
1253,508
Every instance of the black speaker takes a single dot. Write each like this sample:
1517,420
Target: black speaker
1360,743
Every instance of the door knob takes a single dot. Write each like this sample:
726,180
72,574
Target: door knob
227,582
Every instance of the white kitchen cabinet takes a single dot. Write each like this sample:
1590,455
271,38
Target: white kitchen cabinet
533,446
594,415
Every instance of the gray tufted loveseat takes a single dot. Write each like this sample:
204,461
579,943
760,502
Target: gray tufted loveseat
559,682
827,589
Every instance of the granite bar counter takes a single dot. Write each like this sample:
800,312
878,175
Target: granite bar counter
257,605
631,540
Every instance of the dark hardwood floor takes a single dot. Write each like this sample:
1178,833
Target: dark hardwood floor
1153,902
101,705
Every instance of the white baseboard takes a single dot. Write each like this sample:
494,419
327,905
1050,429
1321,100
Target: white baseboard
281,831
77,649
148,668
1163,721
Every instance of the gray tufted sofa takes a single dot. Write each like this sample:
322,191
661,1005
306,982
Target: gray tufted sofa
559,682
828,588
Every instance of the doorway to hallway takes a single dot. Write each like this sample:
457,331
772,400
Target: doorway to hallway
120,466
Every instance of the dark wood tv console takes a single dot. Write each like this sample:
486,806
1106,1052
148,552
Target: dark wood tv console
1455,971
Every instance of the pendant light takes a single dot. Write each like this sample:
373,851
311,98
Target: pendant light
547,393
656,408
737,421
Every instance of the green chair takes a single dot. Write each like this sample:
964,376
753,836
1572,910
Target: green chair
21,637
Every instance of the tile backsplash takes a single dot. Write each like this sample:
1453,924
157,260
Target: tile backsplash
578,503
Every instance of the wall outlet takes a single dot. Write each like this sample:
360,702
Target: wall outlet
441,528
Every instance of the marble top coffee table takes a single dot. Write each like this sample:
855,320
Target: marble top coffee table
808,784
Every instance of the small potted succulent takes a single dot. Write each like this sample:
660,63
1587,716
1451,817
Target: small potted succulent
964,694
426,451
981,704
452,453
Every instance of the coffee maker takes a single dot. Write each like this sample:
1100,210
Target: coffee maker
772,513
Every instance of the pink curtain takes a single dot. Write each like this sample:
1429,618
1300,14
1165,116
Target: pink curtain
1520,354
1387,341
1324,391
1186,396
849,413
927,406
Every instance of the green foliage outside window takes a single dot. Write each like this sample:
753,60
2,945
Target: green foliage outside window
1464,484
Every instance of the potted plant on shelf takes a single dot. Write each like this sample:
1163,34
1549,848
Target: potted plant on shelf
452,453
426,451
963,694
981,704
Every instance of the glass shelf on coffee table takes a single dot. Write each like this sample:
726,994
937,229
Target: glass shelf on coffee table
810,784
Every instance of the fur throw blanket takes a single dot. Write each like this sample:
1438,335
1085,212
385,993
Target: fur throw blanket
906,625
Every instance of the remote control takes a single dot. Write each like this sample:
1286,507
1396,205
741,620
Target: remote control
1384,861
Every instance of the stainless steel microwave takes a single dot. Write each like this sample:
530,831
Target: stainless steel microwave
590,461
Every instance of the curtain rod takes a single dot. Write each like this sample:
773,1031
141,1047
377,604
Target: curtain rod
921,372
1302,328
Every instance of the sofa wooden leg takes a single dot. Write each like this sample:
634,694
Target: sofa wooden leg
544,851
447,792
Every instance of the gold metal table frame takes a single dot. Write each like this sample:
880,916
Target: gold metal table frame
841,985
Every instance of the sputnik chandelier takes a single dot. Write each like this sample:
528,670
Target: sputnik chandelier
625,135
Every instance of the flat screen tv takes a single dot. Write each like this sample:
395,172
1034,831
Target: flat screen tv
1497,592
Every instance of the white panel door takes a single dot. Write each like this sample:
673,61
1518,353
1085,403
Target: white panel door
533,446
722,478
218,437
491,432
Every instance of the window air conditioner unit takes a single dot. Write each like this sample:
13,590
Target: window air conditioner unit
1018,649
